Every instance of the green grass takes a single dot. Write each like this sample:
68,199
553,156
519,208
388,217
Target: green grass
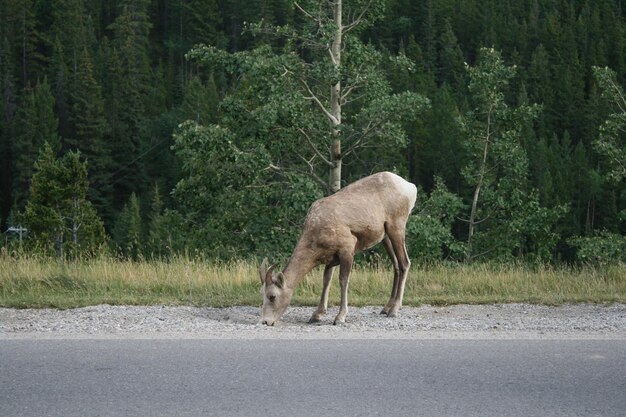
31,281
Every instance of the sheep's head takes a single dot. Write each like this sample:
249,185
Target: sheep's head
276,295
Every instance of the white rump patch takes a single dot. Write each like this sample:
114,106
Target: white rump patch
406,188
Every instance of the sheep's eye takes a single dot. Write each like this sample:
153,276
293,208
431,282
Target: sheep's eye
272,298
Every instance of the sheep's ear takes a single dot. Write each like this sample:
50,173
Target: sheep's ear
269,276
263,270
279,280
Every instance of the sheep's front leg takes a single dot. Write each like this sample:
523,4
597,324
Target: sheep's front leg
321,309
345,266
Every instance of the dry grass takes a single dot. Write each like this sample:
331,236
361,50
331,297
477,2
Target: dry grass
31,281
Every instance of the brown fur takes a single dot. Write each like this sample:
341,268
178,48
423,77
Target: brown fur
369,211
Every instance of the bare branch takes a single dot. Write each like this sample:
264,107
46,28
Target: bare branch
475,222
313,97
312,173
371,127
347,92
332,56
307,14
358,20
287,71
317,152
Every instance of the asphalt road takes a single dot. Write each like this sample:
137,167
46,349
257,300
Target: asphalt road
312,378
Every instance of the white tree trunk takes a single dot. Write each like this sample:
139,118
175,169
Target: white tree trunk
335,102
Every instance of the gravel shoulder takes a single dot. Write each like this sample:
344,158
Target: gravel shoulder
501,321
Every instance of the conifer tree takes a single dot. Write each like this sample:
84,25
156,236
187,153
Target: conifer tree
19,18
127,233
450,68
7,114
200,102
35,125
90,127
129,68
58,215
60,80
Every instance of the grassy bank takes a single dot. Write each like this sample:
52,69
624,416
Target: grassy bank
37,282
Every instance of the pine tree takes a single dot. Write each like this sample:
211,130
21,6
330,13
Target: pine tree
127,233
200,101
90,127
20,20
7,133
202,23
69,30
129,68
156,241
58,215
450,69
35,125
60,79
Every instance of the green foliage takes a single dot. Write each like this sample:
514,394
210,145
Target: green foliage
429,230
58,215
35,124
611,143
110,79
90,127
128,236
505,217
285,91
237,203
602,248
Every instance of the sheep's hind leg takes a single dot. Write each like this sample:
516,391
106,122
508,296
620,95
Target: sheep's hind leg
396,276
396,236
345,266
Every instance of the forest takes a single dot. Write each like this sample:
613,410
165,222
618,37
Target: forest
149,128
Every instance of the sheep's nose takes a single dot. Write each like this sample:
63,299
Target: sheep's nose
267,323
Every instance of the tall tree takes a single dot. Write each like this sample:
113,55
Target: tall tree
20,20
90,127
127,233
323,70
7,132
611,142
502,206
129,68
58,215
35,125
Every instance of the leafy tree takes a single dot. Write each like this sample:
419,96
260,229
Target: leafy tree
58,215
429,229
602,248
503,206
238,203
611,143
324,91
